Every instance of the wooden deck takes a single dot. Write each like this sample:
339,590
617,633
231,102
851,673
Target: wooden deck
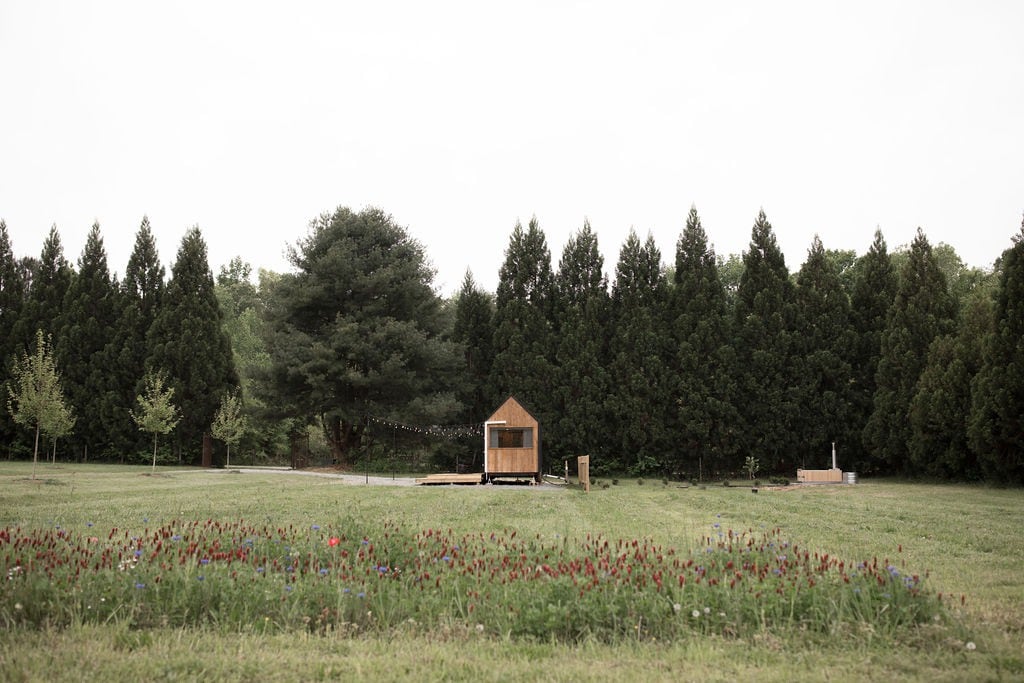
465,479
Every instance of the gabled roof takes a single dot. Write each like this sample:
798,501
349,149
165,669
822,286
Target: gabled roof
519,403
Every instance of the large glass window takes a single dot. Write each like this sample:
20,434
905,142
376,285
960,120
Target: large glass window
511,437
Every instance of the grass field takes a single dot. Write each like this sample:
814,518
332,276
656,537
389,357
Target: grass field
968,539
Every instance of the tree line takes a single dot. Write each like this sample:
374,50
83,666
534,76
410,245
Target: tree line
909,361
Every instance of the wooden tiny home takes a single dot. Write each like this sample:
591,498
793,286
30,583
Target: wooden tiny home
512,443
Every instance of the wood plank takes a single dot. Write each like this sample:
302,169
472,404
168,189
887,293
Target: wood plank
452,478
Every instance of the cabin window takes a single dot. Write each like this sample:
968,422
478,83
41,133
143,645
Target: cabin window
511,437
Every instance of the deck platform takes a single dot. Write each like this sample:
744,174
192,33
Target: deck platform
464,479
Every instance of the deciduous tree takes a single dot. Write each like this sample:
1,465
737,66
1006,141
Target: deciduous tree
35,397
157,413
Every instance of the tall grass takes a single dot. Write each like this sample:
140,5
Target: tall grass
887,571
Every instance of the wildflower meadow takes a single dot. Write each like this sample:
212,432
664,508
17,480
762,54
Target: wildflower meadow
478,570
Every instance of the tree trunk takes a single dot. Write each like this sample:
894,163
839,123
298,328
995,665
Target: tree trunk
154,452
344,437
207,450
35,453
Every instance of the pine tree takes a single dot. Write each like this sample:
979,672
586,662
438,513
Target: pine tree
86,329
874,288
706,415
187,341
474,313
582,383
764,343
921,311
996,428
640,401
358,331
141,297
523,344
821,352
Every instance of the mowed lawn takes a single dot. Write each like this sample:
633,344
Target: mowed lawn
968,539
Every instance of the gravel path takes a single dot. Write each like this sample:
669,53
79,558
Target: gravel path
362,479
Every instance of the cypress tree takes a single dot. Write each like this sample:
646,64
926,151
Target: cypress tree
996,429
87,326
940,409
821,352
764,366
141,296
12,294
581,386
187,341
874,288
474,313
704,394
48,281
921,311
523,345
640,400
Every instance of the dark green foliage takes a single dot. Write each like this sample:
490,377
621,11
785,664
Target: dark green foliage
523,334
358,331
474,314
581,391
921,311
12,295
763,367
86,329
187,342
874,288
941,406
48,282
243,307
706,420
641,396
821,353
141,296
996,427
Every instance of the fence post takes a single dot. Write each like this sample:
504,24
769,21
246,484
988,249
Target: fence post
583,471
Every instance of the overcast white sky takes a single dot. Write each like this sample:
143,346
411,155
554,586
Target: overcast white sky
249,119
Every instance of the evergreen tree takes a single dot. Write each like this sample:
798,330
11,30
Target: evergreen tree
141,296
921,311
523,343
641,399
874,288
821,352
996,428
706,415
358,331
86,329
48,283
474,313
940,409
12,295
764,370
187,341
582,383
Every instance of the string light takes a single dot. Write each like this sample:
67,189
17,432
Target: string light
451,432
